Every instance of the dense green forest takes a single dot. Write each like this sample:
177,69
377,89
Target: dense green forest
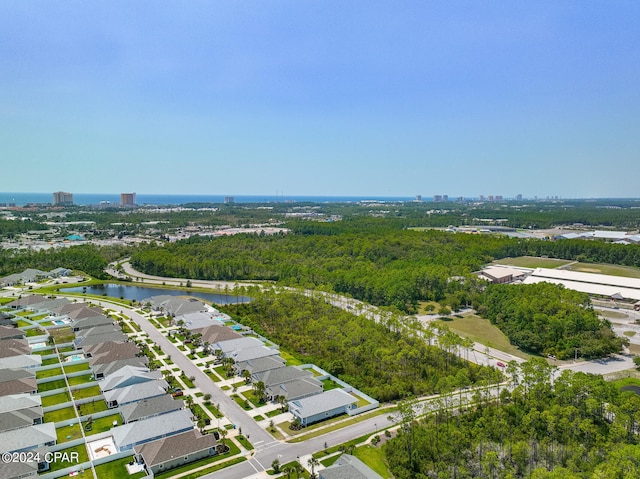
546,319
385,359
88,258
372,259
578,427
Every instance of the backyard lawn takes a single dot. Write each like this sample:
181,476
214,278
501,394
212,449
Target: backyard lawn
86,392
51,385
117,470
80,449
102,424
48,373
55,399
330,384
60,414
68,433
74,381
92,407
74,368
50,361
374,458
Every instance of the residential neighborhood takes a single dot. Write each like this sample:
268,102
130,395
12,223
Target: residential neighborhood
80,379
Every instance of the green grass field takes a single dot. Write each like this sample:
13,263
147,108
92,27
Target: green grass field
49,373
51,385
81,449
610,269
55,399
60,414
482,331
87,392
74,381
92,407
102,424
68,433
74,368
532,262
116,470
374,458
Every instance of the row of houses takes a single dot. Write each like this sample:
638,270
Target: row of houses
154,424
31,275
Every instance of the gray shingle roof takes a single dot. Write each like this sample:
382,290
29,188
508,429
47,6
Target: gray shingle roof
140,431
150,407
232,345
169,448
107,368
14,470
110,351
128,376
27,437
15,402
259,365
14,347
254,353
216,333
137,392
7,332
83,342
319,403
280,375
22,361
349,467
299,388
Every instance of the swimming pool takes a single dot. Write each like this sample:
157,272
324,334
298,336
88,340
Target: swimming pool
60,322
74,357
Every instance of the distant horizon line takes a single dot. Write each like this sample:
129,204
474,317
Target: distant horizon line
451,198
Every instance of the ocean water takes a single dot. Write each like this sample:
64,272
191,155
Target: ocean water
146,199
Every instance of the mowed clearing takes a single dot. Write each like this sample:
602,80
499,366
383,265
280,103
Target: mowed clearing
482,331
610,269
532,262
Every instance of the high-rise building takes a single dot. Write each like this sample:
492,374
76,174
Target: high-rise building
128,199
437,198
519,197
418,197
445,197
62,198
229,200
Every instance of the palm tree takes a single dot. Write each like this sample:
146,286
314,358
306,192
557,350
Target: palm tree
246,375
298,469
283,403
288,470
223,435
313,462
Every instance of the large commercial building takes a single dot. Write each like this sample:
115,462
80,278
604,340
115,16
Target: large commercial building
128,199
62,198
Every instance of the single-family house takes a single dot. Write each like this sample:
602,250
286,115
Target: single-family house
150,407
216,333
17,381
260,365
14,347
174,451
20,410
93,339
109,351
90,322
100,371
8,332
127,436
197,320
28,438
322,406
175,306
24,361
128,376
137,392
18,470
297,389
348,467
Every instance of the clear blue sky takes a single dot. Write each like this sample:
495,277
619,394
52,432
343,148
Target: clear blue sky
321,97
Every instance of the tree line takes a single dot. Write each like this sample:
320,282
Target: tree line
387,359
577,426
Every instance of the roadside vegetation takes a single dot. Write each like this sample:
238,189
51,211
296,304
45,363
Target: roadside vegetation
580,426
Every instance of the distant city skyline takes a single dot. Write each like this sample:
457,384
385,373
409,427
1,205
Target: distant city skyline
322,99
